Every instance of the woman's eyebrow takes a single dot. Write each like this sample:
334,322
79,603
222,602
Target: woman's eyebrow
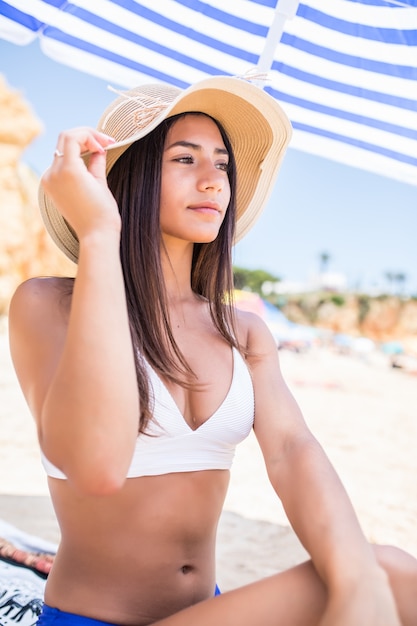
194,146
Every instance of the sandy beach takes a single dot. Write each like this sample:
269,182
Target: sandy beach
362,412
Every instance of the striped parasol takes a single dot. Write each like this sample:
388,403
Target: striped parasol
345,71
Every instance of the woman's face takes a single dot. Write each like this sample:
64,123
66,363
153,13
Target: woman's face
195,190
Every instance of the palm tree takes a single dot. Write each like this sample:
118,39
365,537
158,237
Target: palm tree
324,261
400,279
396,281
390,276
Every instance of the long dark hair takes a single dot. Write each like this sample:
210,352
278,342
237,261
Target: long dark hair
135,181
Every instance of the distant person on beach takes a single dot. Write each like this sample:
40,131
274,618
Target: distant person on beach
143,377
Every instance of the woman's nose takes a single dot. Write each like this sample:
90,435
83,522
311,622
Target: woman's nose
212,178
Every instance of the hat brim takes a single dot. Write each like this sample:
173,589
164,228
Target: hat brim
257,127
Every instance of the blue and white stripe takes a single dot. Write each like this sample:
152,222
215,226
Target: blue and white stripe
345,71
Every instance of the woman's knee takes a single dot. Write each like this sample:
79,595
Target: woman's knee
401,569
395,560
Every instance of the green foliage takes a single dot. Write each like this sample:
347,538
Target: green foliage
252,279
364,305
337,299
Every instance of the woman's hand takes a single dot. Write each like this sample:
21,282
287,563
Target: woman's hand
81,193
369,602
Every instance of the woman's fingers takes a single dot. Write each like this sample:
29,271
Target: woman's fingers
81,193
78,141
71,145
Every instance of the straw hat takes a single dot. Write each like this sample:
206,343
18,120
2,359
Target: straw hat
258,129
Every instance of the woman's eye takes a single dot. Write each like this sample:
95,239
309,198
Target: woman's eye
190,160
184,159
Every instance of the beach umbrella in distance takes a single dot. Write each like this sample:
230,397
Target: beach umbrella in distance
392,347
345,71
287,334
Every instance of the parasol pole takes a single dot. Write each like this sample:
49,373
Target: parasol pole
285,10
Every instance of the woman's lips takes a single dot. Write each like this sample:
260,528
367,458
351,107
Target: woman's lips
205,206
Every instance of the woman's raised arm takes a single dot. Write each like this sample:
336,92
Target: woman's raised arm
74,355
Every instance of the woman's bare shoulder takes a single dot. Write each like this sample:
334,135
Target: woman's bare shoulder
254,333
38,321
39,310
42,295
44,285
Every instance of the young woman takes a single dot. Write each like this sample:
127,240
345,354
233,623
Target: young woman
142,378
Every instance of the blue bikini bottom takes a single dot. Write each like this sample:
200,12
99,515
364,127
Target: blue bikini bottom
55,617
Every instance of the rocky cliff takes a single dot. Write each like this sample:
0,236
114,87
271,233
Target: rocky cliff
26,249
383,318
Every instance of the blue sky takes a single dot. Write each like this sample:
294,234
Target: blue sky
365,222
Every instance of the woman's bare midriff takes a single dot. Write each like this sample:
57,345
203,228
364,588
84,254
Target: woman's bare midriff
139,555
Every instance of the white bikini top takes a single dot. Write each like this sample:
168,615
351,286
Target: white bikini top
170,445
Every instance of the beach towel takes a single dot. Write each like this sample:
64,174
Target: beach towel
25,561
